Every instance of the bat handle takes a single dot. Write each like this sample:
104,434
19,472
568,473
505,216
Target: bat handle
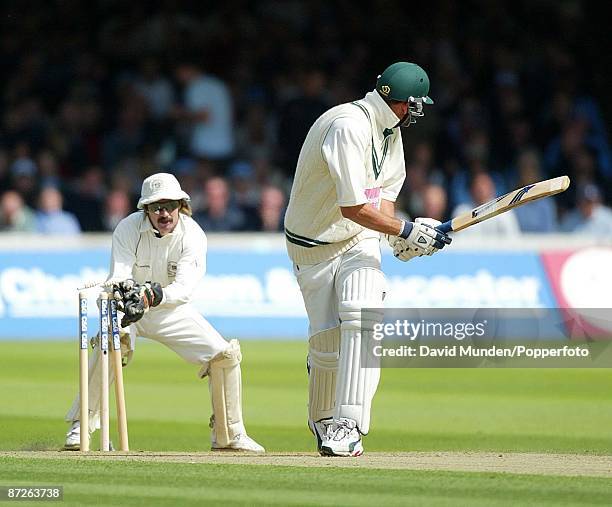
445,227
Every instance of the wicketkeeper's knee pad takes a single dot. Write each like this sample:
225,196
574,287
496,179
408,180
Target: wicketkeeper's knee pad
225,384
361,308
323,349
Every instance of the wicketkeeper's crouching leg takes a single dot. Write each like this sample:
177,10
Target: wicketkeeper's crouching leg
225,386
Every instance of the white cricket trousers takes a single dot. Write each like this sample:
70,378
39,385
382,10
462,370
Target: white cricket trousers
321,284
344,301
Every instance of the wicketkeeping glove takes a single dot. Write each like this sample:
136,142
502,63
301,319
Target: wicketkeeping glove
134,299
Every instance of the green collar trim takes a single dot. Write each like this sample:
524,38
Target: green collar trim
376,165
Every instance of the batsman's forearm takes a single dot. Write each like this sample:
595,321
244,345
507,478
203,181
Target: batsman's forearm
368,216
387,207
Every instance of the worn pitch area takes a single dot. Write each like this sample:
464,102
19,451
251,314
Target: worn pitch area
514,463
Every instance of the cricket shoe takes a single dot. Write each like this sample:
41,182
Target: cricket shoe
319,429
342,438
73,438
241,443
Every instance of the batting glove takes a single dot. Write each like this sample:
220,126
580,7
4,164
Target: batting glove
418,238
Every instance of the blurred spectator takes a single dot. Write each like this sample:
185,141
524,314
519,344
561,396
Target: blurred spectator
581,166
24,179
584,165
155,88
51,218
117,206
25,120
476,153
482,190
68,136
556,112
511,129
270,213
434,202
411,196
207,108
130,136
243,183
268,174
254,137
272,209
220,213
561,150
591,217
4,171
49,170
539,215
85,199
15,216
575,137
298,114
467,117
460,183
123,181
578,121
420,172
188,172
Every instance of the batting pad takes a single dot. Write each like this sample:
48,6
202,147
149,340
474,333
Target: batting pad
358,370
225,384
323,351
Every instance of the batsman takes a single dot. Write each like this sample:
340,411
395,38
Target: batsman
158,259
349,173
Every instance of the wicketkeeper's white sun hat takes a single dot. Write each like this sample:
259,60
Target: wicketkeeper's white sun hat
160,186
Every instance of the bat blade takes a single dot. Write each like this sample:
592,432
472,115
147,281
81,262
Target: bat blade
506,202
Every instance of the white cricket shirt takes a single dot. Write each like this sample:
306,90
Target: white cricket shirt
351,156
177,260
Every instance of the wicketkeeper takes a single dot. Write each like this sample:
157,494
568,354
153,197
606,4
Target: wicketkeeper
158,259
349,173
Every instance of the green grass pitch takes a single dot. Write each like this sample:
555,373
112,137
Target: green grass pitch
505,410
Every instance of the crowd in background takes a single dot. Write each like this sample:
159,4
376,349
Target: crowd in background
95,96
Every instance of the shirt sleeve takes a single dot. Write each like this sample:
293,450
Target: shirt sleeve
344,149
393,183
189,270
123,252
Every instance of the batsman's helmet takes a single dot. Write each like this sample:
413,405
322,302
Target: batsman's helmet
404,82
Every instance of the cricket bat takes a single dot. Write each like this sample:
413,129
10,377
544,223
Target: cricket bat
506,202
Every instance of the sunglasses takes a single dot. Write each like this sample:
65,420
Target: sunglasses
168,206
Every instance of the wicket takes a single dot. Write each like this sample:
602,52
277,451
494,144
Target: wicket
84,371
119,392
105,324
